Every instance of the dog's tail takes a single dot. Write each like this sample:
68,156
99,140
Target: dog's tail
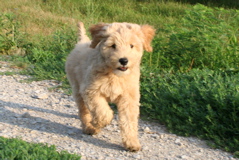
82,37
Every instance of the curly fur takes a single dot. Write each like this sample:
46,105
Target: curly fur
107,69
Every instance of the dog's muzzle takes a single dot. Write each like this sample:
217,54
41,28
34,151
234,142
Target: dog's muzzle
123,62
123,68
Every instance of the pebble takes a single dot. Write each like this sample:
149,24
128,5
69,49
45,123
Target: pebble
183,157
136,156
26,115
178,142
30,111
155,136
146,130
41,96
145,148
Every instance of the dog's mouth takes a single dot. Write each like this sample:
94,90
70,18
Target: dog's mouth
122,68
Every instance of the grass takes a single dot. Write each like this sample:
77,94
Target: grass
207,38
190,81
16,149
52,15
203,103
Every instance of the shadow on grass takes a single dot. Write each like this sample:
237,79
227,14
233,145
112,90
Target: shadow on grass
44,125
233,4
214,3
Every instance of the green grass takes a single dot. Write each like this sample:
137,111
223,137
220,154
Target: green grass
207,38
203,103
16,149
189,82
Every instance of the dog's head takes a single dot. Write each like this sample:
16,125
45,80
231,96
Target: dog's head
121,44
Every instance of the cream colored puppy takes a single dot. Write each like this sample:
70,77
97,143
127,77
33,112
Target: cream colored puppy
107,69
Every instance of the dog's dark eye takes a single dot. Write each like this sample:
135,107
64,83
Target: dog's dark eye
113,46
131,46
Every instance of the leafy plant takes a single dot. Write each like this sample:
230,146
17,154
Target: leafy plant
191,80
48,57
11,40
203,103
12,149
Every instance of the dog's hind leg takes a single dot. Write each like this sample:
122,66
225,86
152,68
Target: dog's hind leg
85,117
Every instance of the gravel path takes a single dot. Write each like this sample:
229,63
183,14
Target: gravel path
35,114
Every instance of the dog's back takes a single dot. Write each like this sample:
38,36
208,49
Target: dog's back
78,57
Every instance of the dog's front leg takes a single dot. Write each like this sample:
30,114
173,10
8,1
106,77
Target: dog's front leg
128,120
101,112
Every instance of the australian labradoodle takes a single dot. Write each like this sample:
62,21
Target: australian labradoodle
107,69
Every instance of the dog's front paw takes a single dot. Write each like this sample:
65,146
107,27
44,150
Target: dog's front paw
90,130
102,120
132,146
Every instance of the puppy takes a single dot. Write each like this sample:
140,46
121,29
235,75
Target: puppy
107,69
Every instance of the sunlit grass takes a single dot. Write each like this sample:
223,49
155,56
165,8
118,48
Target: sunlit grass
45,17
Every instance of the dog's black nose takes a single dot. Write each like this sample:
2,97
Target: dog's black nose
123,61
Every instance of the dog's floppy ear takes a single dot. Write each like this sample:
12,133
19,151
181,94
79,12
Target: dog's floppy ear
97,33
149,33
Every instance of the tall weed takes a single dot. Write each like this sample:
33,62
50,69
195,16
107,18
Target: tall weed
208,38
12,41
49,56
